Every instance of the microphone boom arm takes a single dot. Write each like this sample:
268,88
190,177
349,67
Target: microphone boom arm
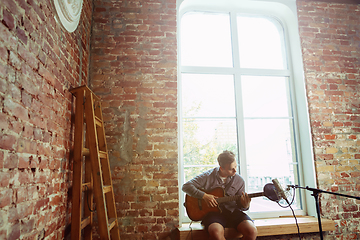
315,194
322,191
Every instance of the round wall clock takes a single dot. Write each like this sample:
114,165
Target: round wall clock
68,13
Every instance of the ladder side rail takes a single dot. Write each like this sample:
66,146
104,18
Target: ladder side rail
103,147
96,168
105,166
100,127
77,166
89,196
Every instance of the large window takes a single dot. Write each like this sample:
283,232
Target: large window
238,92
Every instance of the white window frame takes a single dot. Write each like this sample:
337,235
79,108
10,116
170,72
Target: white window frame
285,12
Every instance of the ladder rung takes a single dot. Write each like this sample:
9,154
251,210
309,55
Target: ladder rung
86,152
102,154
86,186
112,222
107,188
98,121
85,222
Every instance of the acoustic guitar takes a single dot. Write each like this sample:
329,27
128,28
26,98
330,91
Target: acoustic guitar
197,208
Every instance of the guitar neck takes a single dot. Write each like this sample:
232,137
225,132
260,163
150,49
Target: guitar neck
237,197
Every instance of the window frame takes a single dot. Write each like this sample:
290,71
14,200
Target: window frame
288,20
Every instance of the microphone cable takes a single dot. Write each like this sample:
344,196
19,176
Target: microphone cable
292,210
190,233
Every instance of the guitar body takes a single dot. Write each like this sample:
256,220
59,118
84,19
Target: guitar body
197,208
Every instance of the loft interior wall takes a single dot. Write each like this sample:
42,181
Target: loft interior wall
39,63
330,48
133,68
134,71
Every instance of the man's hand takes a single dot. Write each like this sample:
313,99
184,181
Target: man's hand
210,200
245,200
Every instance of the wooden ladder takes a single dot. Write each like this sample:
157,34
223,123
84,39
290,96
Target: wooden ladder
97,181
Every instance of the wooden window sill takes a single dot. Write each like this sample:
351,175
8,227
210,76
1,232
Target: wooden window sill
265,227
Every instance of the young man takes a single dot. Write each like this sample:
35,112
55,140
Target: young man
232,214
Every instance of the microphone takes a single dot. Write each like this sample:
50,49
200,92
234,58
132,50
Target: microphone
279,189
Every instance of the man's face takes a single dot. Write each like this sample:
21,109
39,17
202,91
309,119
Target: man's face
229,169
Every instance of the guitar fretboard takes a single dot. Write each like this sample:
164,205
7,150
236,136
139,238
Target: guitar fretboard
237,197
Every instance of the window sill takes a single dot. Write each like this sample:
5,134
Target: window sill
265,227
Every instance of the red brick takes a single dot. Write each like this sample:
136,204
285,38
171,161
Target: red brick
5,197
353,137
8,19
20,33
7,142
44,149
164,105
4,124
160,213
14,60
14,231
25,177
21,195
332,136
1,159
41,205
55,201
16,109
28,131
46,75
4,33
46,137
142,228
4,179
26,146
11,161
28,57
27,225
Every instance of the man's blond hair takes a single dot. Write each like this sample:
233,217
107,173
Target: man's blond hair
226,157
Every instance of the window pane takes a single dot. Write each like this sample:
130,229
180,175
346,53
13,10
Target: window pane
203,140
261,43
206,40
265,96
191,172
270,154
208,95
219,100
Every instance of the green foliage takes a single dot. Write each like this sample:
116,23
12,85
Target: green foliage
201,156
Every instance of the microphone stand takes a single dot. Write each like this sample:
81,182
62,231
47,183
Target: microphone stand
315,194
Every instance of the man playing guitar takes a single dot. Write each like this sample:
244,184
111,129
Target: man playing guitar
231,214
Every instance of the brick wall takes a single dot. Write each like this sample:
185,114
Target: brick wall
133,63
39,62
330,38
133,69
